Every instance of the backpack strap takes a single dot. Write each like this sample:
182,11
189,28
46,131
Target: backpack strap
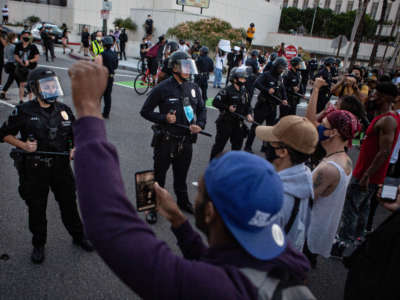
293,216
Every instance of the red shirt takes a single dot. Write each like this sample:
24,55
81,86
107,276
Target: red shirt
370,148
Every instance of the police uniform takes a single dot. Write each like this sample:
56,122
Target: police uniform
290,80
265,109
52,129
229,126
205,66
172,144
324,94
254,66
110,61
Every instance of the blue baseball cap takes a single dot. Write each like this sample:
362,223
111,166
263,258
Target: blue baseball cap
248,194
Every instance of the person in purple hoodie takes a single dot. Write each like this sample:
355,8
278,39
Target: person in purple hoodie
238,197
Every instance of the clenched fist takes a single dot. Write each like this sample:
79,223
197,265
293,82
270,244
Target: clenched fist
88,82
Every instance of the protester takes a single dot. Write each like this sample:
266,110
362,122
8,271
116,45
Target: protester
148,25
10,62
351,85
47,42
144,47
289,145
220,60
123,39
250,34
65,39
281,51
4,12
394,167
330,180
183,47
154,55
85,39
372,164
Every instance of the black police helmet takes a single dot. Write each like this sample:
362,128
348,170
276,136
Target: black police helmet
280,62
204,50
172,46
329,61
175,57
108,41
36,75
273,56
338,61
254,53
295,61
238,72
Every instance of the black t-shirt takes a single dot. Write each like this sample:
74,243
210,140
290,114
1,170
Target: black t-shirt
85,37
27,53
110,60
149,23
143,46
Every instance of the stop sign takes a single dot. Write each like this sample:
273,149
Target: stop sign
290,52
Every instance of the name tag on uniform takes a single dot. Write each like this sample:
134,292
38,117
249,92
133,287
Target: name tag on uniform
173,99
66,123
272,83
34,119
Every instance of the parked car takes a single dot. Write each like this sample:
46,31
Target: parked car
54,30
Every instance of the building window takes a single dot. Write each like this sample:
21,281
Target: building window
285,3
48,2
338,6
388,10
374,9
295,3
349,6
305,4
327,4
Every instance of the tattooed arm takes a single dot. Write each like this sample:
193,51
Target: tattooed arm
325,179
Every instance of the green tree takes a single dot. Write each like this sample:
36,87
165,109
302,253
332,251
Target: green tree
208,31
290,18
127,23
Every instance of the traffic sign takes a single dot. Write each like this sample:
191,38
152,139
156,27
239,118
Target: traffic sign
107,5
290,52
105,14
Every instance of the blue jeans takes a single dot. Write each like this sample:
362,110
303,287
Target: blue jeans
356,211
217,77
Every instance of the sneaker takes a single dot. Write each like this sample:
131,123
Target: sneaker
37,255
84,244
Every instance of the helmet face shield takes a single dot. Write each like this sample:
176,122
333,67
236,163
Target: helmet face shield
49,89
302,66
187,67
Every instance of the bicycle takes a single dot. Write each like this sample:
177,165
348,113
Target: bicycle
143,82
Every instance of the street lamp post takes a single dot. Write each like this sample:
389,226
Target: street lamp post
105,22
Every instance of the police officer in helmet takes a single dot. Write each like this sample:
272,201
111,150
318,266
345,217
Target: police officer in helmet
271,59
272,94
205,66
109,59
325,72
44,125
231,102
254,69
292,81
166,72
179,105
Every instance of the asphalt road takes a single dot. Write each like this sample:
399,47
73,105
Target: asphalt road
70,273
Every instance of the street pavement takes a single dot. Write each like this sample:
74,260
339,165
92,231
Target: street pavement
70,273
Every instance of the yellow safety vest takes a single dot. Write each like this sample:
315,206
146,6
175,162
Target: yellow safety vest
97,47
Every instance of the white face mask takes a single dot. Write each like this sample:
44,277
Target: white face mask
98,38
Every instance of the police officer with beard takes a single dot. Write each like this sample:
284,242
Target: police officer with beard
292,81
272,91
232,101
205,66
45,125
180,105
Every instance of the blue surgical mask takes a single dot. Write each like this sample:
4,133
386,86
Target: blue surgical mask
189,113
321,131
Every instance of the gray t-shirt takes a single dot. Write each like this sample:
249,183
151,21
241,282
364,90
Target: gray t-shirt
9,53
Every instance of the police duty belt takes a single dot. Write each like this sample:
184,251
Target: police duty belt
44,153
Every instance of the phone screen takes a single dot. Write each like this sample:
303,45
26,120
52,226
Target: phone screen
145,196
389,192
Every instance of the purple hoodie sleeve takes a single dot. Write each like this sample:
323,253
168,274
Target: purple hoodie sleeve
123,240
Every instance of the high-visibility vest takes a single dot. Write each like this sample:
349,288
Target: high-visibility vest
97,48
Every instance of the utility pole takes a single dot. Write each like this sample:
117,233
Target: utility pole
104,22
378,35
313,20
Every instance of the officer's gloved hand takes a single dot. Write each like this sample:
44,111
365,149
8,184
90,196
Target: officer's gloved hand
88,82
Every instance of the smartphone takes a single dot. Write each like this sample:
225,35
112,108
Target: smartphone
145,195
390,189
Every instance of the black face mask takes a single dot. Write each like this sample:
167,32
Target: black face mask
270,154
26,39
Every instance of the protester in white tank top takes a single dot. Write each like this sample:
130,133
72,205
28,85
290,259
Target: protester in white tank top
330,179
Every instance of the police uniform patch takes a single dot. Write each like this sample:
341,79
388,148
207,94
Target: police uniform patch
64,115
193,93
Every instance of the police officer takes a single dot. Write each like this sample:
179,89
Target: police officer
254,69
271,59
205,66
180,104
272,93
44,125
325,92
291,81
312,67
232,101
109,59
166,72
335,70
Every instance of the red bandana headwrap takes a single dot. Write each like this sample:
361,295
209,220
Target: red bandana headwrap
345,122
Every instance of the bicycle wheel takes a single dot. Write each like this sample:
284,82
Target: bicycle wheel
141,84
